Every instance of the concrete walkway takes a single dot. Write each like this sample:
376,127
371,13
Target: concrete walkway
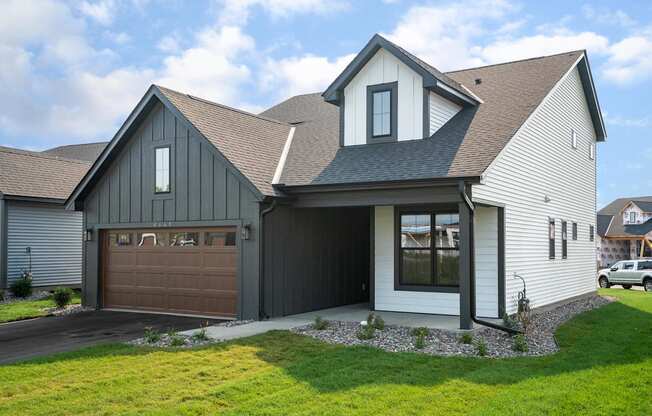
352,313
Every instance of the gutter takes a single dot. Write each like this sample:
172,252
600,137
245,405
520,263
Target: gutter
261,264
474,318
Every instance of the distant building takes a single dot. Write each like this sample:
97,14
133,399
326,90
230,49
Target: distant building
625,230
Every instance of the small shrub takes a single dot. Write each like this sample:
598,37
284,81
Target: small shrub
201,335
509,322
376,321
466,338
151,335
62,296
366,332
520,343
481,346
176,340
2,295
420,341
320,324
420,332
22,287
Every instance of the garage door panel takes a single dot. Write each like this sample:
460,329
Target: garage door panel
179,279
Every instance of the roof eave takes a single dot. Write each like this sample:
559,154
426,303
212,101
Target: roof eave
586,77
359,186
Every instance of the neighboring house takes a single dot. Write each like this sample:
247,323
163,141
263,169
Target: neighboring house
83,151
625,230
36,232
412,189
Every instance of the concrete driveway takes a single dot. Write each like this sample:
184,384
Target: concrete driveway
36,337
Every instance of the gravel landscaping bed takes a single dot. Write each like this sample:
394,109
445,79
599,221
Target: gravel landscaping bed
178,340
36,295
67,310
540,337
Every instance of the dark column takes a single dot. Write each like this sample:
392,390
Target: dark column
465,265
3,243
372,258
501,261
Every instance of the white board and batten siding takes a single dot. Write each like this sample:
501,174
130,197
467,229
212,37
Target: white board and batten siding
441,110
55,238
382,68
540,161
388,299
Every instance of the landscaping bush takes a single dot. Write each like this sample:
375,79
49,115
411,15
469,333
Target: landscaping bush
420,332
2,295
62,296
151,335
176,340
466,338
376,321
481,346
201,335
420,341
320,324
22,288
509,322
520,343
366,332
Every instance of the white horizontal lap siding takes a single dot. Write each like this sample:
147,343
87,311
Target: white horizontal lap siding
538,162
382,68
441,110
55,238
388,299
486,261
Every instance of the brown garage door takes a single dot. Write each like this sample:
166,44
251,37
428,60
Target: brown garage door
185,271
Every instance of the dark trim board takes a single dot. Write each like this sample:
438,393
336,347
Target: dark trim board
501,262
392,87
426,113
372,258
3,242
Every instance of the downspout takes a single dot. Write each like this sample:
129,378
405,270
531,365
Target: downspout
261,267
474,318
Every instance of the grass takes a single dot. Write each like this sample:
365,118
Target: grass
29,308
604,368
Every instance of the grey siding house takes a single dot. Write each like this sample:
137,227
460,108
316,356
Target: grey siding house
399,186
36,233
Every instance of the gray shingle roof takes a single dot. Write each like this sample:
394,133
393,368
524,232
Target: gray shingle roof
84,151
252,143
645,206
463,147
38,175
617,228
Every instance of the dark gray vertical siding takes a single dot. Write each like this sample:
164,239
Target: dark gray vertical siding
202,190
3,243
315,258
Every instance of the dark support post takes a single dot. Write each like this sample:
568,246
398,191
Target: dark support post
465,264
501,261
3,243
372,258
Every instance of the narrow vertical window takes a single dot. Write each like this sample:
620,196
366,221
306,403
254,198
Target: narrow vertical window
592,151
382,113
564,240
162,170
382,100
591,233
632,217
574,139
551,238
574,231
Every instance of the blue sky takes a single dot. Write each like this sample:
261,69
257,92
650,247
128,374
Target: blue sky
70,71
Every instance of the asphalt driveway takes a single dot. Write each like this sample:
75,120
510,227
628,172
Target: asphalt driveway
35,337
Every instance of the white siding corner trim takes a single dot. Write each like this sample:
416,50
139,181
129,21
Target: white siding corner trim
54,236
441,110
486,261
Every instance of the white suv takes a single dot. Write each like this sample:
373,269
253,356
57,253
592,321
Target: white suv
628,273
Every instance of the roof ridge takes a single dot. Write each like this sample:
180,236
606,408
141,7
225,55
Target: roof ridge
226,107
515,61
73,144
4,149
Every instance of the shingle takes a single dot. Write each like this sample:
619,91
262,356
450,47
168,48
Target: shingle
84,151
38,175
645,206
463,147
252,143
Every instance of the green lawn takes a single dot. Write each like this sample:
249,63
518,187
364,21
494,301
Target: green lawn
605,367
28,309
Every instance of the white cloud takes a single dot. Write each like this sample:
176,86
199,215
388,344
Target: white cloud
169,44
102,11
630,60
121,38
621,121
237,12
298,75
607,17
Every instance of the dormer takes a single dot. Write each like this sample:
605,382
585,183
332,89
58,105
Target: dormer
636,212
387,94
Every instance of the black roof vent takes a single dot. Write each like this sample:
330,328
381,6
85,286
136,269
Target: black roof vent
478,81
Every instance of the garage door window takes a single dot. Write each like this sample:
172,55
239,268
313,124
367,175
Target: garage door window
184,239
219,239
152,239
119,239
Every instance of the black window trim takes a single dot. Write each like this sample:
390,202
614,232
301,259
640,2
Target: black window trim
574,232
169,147
591,233
392,87
431,210
564,240
551,239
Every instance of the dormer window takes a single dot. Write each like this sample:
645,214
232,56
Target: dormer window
382,101
632,217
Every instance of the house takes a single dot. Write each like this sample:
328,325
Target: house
625,230
401,186
83,151
36,232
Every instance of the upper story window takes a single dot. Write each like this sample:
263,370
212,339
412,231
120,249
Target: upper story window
591,151
382,101
162,169
574,139
632,217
